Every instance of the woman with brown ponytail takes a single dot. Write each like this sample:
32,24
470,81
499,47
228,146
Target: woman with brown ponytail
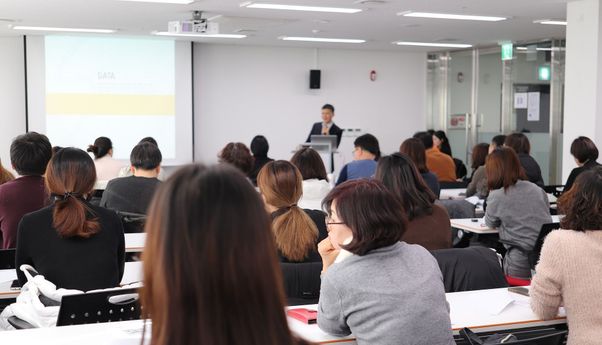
72,243
297,231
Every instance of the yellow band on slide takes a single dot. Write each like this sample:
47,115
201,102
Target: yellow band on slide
109,104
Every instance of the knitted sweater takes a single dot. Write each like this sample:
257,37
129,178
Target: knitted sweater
569,273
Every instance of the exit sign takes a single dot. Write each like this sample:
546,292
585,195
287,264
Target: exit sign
507,51
544,73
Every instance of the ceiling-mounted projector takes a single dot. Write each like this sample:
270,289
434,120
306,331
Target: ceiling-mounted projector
197,25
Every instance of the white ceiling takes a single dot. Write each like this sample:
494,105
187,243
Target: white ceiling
378,23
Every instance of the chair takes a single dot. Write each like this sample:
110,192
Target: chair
102,306
554,189
7,258
132,222
544,336
451,185
472,268
301,282
555,338
543,233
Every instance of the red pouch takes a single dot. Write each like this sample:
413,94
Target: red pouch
304,315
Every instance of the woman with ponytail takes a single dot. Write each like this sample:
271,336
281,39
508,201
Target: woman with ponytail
72,243
107,168
296,231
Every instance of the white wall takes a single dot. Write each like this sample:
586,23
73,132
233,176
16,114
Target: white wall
583,77
241,91
12,94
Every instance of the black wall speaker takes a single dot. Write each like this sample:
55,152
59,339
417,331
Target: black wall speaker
314,78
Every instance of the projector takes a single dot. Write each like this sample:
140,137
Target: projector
197,25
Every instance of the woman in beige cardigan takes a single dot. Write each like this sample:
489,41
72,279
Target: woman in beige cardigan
569,272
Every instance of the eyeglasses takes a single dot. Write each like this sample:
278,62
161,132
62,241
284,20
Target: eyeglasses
330,222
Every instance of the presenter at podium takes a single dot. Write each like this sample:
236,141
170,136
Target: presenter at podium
326,127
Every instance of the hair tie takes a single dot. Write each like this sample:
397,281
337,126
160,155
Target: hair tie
66,196
282,210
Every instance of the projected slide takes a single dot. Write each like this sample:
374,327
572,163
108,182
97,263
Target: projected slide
122,88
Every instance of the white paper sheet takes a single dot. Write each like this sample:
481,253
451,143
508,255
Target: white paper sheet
533,107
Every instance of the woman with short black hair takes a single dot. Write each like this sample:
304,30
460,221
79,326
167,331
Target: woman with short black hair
585,153
374,286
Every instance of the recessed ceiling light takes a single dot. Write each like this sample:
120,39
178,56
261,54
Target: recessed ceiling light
180,2
450,16
47,28
299,8
165,33
538,49
551,22
321,39
427,44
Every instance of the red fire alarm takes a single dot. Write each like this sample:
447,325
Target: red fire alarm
373,75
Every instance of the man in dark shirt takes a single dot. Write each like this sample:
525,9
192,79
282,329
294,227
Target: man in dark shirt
326,127
133,194
29,155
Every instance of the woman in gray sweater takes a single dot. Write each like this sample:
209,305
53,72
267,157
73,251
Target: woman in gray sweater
380,289
518,208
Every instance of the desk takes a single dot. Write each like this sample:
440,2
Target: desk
134,242
471,309
477,225
131,273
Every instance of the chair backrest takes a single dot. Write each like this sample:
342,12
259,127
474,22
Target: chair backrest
534,254
472,268
301,282
132,222
7,258
451,185
102,306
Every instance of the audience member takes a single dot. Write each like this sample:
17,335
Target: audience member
365,154
238,155
29,155
133,194
497,142
518,208
127,170
520,144
585,153
478,179
259,148
441,142
72,243
5,175
296,231
380,289
414,148
568,273
107,168
439,163
218,286
428,223
315,180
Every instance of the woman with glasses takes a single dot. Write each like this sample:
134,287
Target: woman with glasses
210,270
375,286
297,231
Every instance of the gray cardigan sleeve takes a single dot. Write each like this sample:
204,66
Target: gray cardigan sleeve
492,218
330,310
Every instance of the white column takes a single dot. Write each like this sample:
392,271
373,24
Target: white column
583,73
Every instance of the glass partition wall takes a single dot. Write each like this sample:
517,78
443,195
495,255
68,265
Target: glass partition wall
473,95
